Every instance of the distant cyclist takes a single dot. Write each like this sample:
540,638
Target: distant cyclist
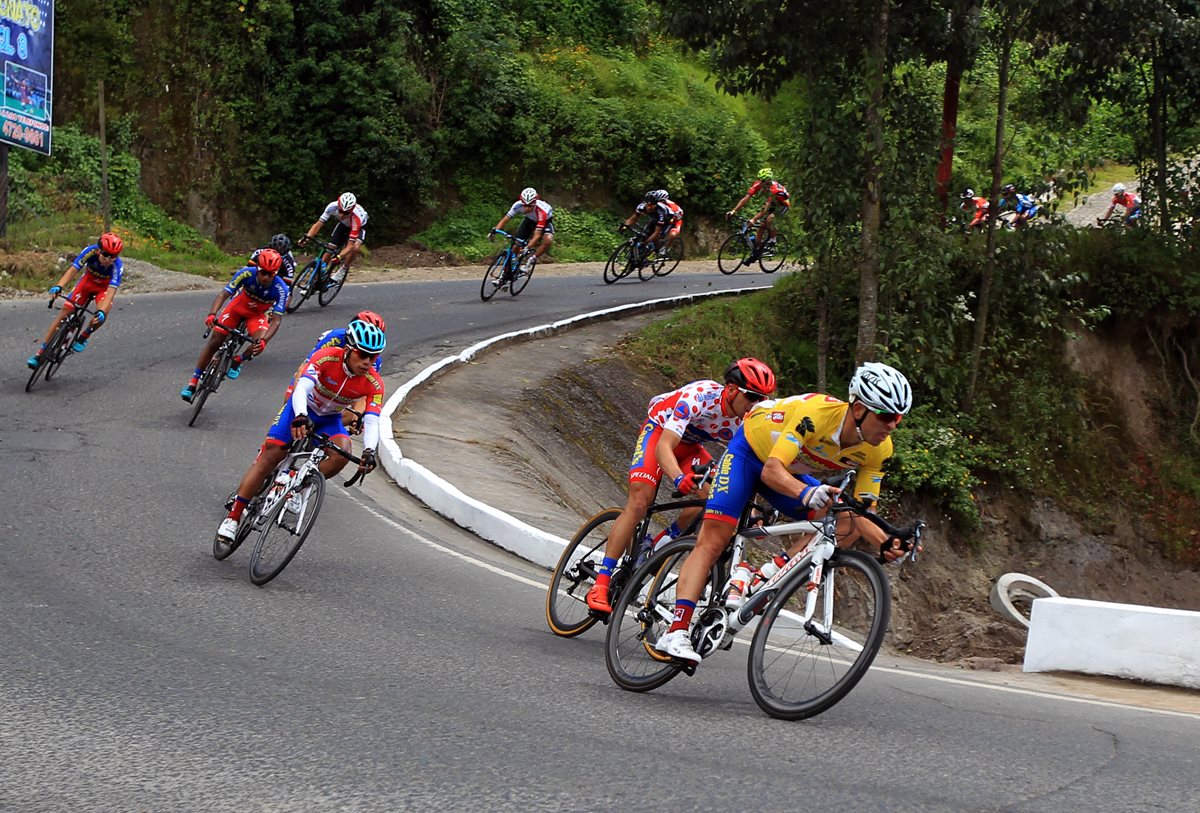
670,443
348,235
664,218
1025,206
333,379
978,205
283,245
537,227
102,270
256,296
1130,202
778,202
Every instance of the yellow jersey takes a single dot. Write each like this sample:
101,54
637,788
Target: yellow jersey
803,432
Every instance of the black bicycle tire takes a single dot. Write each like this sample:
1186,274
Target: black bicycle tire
799,710
778,258
725,255
331,288
209,381
668,556
489,287
646,271
610,273
302,286
245,526
520,279
674,257
264,576
554,594
57,349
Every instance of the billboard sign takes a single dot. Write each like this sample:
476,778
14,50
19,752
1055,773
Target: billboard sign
27,84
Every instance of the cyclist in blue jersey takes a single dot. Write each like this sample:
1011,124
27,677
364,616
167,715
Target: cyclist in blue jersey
255,295
1024,205
100,281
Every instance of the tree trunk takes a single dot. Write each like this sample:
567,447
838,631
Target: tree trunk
989,262
963,16
868,274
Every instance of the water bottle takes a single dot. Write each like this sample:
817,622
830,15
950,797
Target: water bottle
772,567
739,582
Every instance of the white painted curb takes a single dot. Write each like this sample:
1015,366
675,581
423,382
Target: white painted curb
478,517
1121,640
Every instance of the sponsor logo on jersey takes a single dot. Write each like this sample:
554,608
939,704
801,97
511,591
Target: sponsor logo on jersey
681,411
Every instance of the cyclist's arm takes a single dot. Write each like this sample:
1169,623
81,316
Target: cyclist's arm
664,453
503,222
304,388
314,228
766,208
740,204
104,303
219,302
775,476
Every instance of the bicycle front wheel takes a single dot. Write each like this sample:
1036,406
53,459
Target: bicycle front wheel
209,381
641,615
613,263
566,611
670,258
301,287
772,257
286,527
732,254
59,348
493,278
799,668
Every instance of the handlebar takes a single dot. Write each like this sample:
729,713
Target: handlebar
512,237
84,308
322,441
706,472
845,502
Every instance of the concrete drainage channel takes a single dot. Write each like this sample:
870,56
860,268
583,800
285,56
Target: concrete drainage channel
481,519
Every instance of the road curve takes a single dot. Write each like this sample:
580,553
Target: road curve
400,663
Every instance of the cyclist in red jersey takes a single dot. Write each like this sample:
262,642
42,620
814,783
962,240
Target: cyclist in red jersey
335,378
678,422
102,271
778,203
537,227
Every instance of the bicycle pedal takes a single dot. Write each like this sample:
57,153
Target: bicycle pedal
686,666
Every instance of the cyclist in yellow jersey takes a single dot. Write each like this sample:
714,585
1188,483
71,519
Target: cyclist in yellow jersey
777,450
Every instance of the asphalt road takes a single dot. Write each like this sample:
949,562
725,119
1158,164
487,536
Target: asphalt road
400,663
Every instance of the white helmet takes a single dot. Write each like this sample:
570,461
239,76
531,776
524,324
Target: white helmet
882,388
1118,189
529,195
346,201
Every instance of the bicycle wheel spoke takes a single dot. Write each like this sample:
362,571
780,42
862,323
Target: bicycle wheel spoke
566,611
285,528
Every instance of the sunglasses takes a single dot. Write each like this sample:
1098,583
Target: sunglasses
752,396
365,354
108,256
888,417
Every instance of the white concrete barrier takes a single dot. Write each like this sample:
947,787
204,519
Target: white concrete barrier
1122,640
465,511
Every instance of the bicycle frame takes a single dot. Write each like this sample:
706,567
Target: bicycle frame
511,255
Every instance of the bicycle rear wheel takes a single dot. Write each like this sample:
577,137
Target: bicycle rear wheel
493,278
520,279
772,257
646,271
285,528
302,287
566,611
335,278
667,263
797,668
641,615
732,254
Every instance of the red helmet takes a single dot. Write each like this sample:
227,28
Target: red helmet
269,260
111,244
372,318
751,374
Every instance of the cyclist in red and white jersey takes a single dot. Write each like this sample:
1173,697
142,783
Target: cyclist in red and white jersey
537,227
677,423
335,378
349,233
778,203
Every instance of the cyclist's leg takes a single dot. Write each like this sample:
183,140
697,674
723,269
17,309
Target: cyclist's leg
258,327
333,426
103,298
77,298
273,450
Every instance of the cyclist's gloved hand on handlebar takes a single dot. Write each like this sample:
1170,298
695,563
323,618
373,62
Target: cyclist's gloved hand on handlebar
100,317
685,484
210,320
301,426
302,241
492,235
368,461
817,497
55,289
258,347
729,215
893,550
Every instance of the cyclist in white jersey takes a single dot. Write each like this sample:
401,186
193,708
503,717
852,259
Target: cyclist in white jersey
349,233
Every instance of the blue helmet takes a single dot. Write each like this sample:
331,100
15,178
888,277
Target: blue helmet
365,336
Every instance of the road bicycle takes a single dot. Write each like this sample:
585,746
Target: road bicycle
318,277
744,248
218,367
567,612
285,509
820,619
636,255
61,344
505,270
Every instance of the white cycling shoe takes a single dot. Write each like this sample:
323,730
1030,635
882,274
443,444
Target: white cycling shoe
227,532
677,645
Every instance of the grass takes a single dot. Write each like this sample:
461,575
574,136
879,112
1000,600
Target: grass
31,250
